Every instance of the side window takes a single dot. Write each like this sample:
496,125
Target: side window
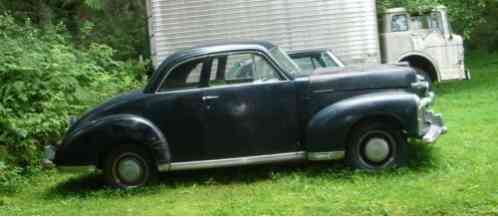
420,22
264,71
318,62
185,76
436,22
305,63
241,68
329,62
399,23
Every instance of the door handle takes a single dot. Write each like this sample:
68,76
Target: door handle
206,98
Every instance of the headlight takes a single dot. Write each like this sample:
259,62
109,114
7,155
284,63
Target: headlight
424,104
420,78
421,87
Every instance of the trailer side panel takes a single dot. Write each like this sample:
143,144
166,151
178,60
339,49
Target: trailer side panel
348,27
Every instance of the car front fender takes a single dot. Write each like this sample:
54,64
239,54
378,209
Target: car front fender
88,142
328,129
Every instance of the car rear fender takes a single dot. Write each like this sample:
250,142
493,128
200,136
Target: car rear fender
328,129
88,144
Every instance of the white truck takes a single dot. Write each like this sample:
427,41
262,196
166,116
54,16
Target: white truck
350,28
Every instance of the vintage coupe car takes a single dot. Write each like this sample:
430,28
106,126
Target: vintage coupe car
204,108
313,59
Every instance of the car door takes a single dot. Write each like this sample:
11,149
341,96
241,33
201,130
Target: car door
177,109
249,108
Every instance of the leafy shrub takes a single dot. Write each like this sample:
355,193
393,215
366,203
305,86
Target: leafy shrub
44,80
10,177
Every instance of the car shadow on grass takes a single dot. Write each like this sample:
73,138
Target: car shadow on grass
86,185
89,184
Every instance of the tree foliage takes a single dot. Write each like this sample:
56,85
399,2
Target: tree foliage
95,4
120,24
485,34
45,79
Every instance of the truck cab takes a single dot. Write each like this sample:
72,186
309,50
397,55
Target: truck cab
426,41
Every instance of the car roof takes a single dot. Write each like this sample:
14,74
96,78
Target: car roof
307,52
266,44
223,47
219,47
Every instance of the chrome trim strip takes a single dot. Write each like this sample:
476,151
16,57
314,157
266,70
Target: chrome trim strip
76,168
331,90
324,156
230,162
427,101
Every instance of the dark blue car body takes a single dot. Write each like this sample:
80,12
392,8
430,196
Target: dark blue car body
288,118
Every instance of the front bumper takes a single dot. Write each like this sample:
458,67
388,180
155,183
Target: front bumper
49,158
436,128
430,125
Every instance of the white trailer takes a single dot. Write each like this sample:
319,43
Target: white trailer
347,27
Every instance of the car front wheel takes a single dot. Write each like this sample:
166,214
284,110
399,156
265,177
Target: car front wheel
377,146
128,167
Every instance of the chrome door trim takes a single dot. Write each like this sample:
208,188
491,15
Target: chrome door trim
330,90
230,162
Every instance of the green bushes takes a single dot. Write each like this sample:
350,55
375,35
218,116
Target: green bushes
44,80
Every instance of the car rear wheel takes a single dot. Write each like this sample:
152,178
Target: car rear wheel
376,146
128,167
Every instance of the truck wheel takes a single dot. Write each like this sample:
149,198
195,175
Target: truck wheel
376,146
128,167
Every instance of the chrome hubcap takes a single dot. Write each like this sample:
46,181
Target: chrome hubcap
130,170
377,150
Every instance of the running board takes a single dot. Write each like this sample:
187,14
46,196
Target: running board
252,160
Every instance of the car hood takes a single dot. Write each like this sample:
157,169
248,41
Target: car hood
362,78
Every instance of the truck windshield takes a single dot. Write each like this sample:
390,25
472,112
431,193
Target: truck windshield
431,21
285,61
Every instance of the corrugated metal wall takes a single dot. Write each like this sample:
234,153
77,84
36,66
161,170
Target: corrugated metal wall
348,27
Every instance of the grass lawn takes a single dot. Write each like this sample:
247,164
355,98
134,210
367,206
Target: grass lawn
457,176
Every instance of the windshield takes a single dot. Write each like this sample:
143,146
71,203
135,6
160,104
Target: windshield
432,21
285,61
310,61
